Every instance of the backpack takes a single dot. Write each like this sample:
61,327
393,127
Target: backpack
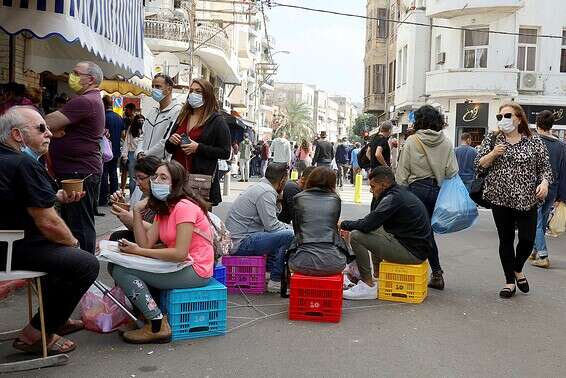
221,240
363,160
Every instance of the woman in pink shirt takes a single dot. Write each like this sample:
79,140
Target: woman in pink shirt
303,156
182,225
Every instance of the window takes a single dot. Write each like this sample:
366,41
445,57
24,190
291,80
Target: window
378,79
399,67
368,75
527,53
475,48
369,24
381,24
563,53
405,65
391,82
437,50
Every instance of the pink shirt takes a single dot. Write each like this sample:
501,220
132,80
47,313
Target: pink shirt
200,252
303,155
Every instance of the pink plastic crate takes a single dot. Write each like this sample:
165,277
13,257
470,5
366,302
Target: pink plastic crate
245,274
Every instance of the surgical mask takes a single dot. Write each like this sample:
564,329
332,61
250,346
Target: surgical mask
160,191
75,82
28,151
157,94
506,125
195,100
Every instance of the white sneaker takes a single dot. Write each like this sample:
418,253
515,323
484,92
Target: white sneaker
274,286
361,291
347,284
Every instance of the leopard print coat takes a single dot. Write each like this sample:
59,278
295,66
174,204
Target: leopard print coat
512,179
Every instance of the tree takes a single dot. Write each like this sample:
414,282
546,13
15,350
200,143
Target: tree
297,122
364,123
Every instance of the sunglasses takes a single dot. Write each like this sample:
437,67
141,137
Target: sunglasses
501,116
41,127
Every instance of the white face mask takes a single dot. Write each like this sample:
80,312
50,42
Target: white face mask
195,100
506,125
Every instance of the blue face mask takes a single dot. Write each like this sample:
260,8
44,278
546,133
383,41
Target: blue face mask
157,94
160,191
31,153
195,100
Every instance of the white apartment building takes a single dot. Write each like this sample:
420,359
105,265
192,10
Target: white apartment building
469,73
347,114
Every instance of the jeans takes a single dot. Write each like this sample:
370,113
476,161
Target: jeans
427,191
131,171
70,272
245,169
263,167
135,285
543,213
383,246
109,172
513,259
268,243
79,216
342,174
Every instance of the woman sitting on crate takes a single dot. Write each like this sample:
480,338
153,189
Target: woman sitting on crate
318,249
183,226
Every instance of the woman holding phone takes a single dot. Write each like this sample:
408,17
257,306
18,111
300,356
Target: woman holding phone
201,136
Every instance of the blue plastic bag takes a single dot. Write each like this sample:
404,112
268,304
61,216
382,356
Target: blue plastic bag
454,211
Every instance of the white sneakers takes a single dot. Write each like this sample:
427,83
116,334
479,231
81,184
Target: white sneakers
274,286
361,291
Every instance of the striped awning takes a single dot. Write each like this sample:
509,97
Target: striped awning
110,29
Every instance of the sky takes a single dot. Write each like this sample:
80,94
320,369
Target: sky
325,50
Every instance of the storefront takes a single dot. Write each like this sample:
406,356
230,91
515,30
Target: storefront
559,128
472,118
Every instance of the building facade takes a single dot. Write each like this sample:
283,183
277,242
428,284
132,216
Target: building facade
468,70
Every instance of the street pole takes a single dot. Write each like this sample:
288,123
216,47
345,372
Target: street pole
386,84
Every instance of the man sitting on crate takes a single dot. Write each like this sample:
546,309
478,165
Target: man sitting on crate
396,230
27,199
253,224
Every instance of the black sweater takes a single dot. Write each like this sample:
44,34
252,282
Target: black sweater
401,214
214,144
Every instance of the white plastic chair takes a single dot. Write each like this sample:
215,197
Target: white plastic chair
34,282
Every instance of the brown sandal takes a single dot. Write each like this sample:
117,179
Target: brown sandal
71,326
55,346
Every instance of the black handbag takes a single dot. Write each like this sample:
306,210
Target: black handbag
477,187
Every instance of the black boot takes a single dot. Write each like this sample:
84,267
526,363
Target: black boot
436,280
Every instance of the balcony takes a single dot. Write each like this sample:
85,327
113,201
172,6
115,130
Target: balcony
374,103
455,8
464,82
166,35
213,36
213,47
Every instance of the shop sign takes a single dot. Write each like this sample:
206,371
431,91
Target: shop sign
533,110
472,115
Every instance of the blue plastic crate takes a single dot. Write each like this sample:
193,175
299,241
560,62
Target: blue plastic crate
220,274
198,312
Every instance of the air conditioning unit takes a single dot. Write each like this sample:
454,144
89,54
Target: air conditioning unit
441,58
530,82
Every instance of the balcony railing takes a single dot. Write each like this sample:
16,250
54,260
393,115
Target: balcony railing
172,30
213,36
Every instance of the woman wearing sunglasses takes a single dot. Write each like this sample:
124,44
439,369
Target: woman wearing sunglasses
518,175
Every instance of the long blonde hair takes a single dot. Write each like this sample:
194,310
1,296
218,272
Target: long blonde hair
210,103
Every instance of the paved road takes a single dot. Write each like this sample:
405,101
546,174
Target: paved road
464,331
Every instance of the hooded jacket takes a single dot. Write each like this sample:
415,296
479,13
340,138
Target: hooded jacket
433,157
557,154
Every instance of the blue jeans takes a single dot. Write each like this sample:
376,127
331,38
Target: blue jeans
427,191
268,243
131,171
542,220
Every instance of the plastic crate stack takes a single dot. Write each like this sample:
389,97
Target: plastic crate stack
220,273
403,283
316,299
198,312
245,274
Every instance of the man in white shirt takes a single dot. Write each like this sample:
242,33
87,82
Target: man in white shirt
281,150
160,119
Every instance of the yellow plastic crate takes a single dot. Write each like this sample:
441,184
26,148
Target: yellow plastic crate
403,283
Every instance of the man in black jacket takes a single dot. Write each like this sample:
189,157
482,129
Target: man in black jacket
324,152
397,230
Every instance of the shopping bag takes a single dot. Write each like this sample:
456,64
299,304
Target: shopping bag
106,149
454,211
557,224
99,313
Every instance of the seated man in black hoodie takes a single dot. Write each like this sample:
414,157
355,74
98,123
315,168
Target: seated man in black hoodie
396,230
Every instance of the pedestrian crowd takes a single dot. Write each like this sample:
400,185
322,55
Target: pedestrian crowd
172,158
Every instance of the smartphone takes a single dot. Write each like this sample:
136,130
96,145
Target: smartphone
185,139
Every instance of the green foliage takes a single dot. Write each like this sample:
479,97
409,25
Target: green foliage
363,123
297,123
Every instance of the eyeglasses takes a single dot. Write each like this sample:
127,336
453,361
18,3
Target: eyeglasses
139,178
42,127
501,116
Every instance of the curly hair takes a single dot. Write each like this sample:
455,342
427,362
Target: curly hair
427,117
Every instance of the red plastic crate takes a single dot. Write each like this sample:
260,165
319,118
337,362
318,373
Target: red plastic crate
245,274
316,299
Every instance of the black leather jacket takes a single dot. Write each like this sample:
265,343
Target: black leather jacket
317,248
